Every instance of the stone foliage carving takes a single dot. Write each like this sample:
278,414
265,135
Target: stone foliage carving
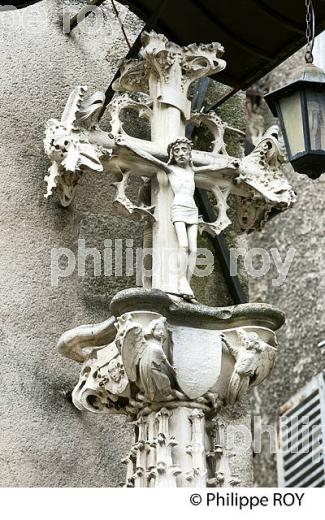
215,125
142,105
68,144
221,207
261,171
142,210
176,68
103,385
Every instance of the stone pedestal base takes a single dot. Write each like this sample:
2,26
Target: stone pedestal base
173,368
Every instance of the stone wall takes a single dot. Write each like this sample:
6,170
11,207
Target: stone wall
44,440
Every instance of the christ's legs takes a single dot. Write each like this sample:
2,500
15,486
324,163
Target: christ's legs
192,244
180,228
183,243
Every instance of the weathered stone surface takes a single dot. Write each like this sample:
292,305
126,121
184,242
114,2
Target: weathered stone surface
44,440
197,315
95,230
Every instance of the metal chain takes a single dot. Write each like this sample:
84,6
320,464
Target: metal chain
117,14
310,31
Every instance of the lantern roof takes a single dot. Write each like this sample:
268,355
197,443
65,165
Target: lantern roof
309,75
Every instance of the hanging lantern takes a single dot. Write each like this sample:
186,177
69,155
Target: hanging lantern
300,107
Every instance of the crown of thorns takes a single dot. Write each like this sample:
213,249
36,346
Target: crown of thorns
180,140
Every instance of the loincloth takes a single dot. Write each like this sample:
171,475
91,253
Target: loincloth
187,214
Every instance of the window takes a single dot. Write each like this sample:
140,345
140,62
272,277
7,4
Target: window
301,437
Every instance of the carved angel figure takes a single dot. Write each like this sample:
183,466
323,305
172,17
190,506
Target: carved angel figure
254,361
144,358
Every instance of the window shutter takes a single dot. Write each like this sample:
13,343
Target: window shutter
301,437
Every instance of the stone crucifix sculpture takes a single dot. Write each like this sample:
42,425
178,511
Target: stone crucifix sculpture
172,365
184,212
165,71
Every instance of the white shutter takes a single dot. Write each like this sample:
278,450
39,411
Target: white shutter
301,437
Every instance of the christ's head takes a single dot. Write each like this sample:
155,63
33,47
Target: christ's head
180,152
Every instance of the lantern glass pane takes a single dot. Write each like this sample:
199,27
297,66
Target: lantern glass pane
292,121
316,118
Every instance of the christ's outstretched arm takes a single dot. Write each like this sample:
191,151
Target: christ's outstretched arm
144,155
208,168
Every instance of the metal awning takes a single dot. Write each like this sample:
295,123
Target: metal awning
20,4
257,34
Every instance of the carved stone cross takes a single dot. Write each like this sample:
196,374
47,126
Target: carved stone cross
161,78
171,365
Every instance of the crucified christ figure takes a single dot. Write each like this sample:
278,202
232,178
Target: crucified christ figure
184,212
